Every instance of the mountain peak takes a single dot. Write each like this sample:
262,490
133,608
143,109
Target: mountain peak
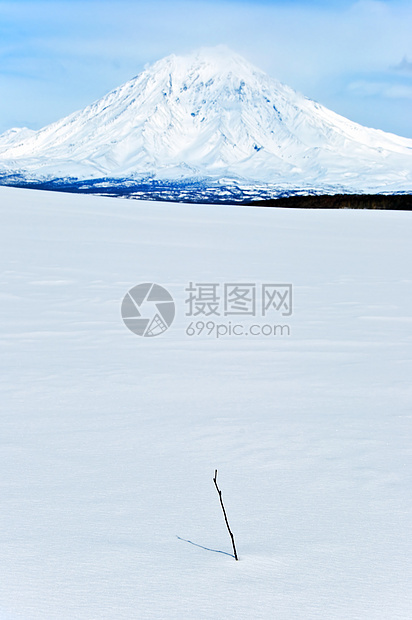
204,65
212,115
221,57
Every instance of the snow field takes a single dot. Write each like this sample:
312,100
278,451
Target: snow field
109,442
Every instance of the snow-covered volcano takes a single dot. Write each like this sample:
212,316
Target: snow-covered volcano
209,118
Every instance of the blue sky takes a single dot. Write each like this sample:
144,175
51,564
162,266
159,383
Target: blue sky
353,57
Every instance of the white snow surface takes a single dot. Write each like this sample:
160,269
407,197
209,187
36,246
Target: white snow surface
109,441
212,114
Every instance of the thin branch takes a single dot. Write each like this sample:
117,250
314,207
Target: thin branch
224,514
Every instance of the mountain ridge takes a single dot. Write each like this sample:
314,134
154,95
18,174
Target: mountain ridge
206,117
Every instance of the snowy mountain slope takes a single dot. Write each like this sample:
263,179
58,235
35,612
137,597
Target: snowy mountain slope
109,441
15,135
212,115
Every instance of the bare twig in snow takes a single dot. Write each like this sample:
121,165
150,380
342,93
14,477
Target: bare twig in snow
224,514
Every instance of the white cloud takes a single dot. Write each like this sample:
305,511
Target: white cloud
404,66
363,88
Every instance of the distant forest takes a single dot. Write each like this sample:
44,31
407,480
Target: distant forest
398,202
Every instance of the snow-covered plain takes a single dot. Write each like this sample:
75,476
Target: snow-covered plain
109,441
